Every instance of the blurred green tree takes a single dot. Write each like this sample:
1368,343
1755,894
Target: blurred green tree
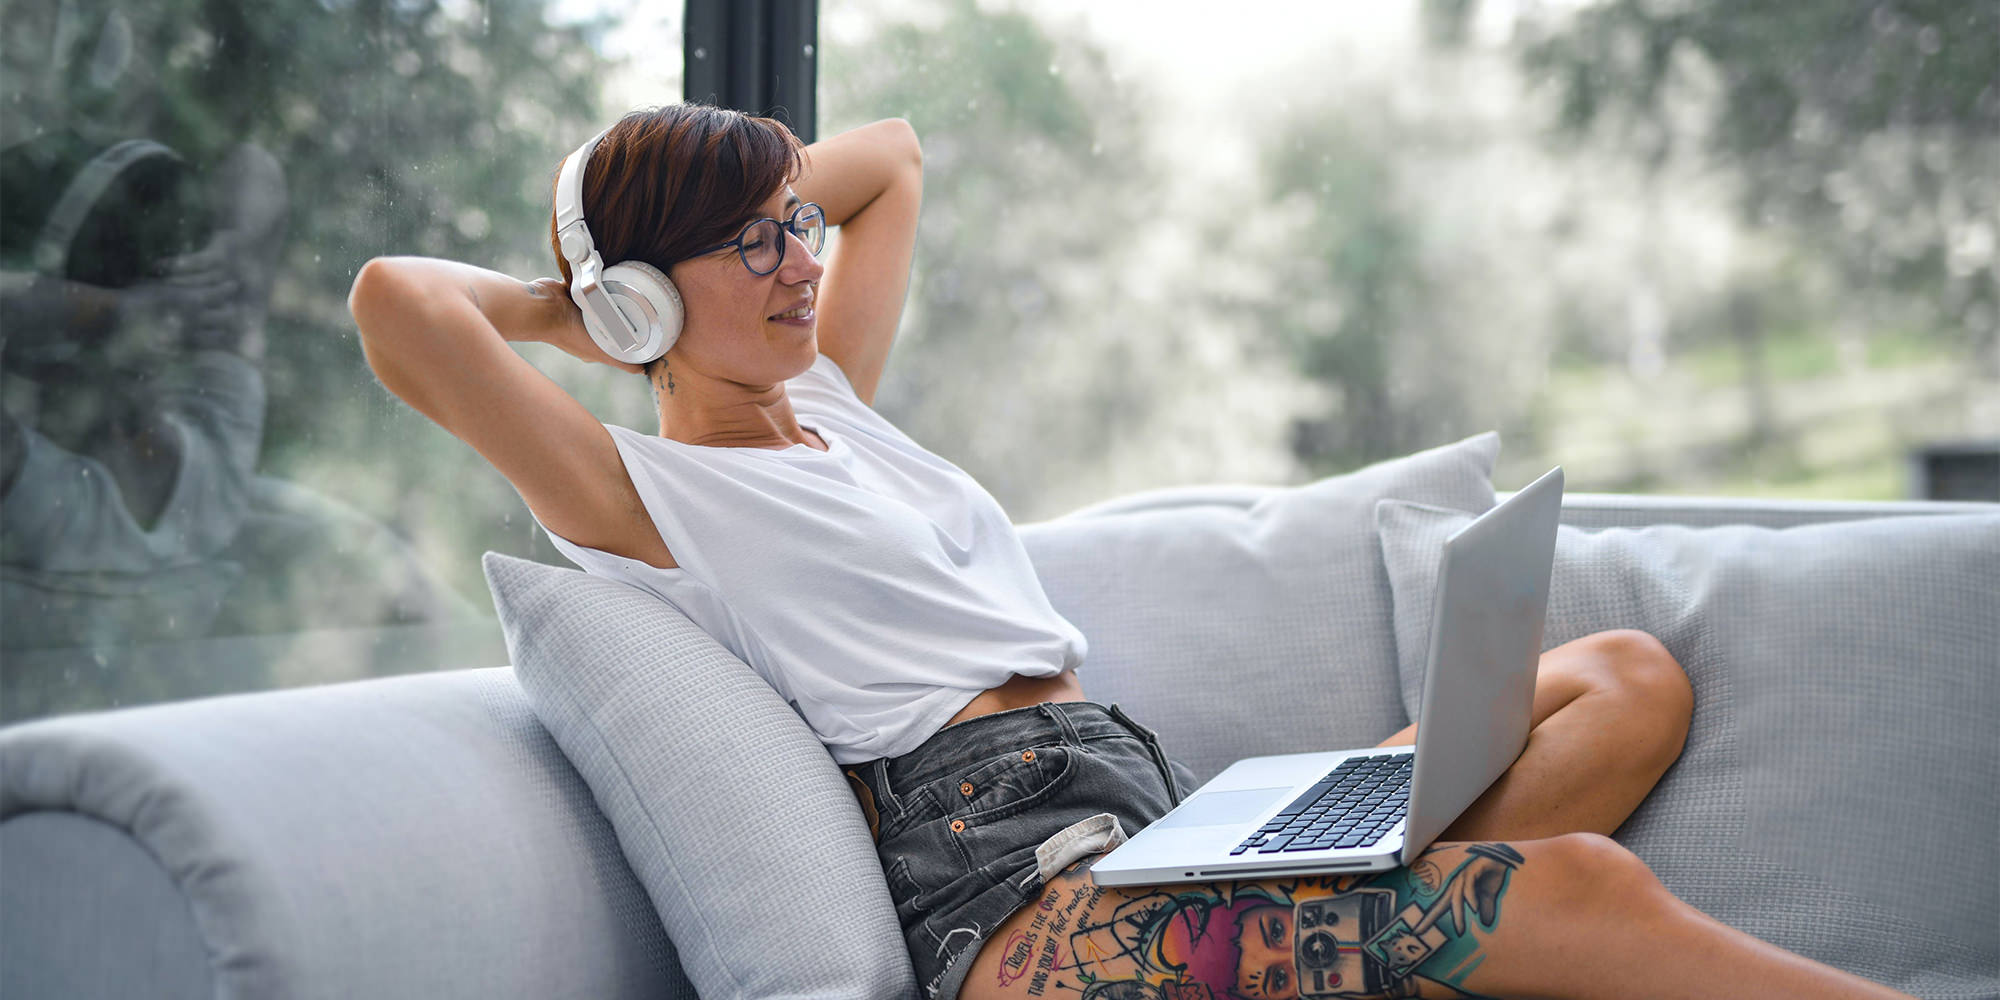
1350,284
1026,353
1872,130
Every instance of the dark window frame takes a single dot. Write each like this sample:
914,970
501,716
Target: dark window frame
759,56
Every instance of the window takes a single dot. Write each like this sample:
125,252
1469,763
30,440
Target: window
1705,248
207,489
1268,241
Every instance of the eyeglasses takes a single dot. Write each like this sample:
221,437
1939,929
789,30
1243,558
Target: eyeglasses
762,243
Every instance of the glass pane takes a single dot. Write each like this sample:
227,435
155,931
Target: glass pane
206,487
1264,242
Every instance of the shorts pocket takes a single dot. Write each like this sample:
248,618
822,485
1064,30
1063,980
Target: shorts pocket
1002,786
971,817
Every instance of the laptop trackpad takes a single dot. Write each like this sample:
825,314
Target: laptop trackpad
1220,808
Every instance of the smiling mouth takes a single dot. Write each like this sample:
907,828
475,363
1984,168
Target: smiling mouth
801,312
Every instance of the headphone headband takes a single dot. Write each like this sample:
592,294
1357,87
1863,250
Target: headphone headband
571,185
569,203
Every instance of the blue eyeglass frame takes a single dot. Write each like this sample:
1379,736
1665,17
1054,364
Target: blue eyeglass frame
790,225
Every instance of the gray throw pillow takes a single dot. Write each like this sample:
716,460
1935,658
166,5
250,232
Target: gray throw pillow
728,808
1840,786
1238,631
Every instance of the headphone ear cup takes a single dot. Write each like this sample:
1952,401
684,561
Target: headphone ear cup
647,297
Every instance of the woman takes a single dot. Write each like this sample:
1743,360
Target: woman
886,595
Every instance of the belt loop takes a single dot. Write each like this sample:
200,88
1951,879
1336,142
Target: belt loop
1061,718
1152,742
880,767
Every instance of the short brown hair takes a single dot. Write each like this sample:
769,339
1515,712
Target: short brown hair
665,182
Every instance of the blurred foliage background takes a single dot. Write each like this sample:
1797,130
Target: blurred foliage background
1738,248
1731,248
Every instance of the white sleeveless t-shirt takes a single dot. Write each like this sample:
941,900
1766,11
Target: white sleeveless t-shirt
875,585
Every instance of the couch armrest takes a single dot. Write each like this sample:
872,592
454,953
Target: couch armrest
416,836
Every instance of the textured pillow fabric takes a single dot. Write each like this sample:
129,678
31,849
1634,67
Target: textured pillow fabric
726,805
1238,631
1840,786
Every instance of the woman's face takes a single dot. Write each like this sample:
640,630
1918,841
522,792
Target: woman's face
745,326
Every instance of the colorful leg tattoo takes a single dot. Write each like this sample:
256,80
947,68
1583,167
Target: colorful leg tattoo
1402,933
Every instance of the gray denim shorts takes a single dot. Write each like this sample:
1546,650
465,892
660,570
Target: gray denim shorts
971,824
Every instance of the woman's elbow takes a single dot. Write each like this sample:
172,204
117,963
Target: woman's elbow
903,137
377,288
383,316
367,287
916,149
385,310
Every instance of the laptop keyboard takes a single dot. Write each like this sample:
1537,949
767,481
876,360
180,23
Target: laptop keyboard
1353,806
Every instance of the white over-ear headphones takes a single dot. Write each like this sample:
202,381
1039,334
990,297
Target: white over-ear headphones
632,310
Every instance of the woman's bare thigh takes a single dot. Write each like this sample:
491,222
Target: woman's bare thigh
1421,931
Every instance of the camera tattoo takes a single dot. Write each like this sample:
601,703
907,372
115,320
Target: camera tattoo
1401,933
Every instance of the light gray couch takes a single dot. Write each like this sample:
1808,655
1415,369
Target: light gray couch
425,836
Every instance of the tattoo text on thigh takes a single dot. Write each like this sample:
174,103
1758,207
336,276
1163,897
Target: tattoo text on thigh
1401,933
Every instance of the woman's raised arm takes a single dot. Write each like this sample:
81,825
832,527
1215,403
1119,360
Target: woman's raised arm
870,181
436,332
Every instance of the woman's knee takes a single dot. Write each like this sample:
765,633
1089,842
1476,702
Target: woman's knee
1593,869
1639,668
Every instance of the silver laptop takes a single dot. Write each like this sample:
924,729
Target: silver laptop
1378,808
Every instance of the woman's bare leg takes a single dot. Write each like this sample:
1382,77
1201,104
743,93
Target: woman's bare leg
1572,917
1610,716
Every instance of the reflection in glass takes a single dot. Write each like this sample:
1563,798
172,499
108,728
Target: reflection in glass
174,379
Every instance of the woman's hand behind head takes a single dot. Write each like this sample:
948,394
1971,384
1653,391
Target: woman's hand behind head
565,327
